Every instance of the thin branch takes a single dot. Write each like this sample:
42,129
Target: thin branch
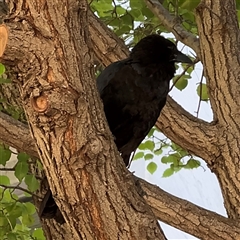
183,72
188,131
200,95
19,188
16,134
174,26
7,169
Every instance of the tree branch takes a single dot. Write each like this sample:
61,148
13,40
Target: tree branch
108,48
189,217
19,188
17,135
189,132
174,26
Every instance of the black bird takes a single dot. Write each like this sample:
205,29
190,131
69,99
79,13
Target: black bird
134,90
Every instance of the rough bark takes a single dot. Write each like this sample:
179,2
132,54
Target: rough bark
52,65
13,128
188,217
220,50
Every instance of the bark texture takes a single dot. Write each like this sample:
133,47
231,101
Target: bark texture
220,50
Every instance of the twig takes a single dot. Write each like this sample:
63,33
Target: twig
8,169
200,95
183,72
20,188
178,78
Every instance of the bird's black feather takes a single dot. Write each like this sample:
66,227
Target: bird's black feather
134,90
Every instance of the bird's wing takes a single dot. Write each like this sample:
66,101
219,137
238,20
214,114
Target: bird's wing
108,74
115,86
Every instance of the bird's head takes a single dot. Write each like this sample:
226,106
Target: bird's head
155,49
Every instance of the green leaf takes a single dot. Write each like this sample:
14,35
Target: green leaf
146,12
138,155
38,234
7,197
120,10
152,167
31,182
5,155
12,220
12,236
148,156
137,14
8,206
21,170
142,146
168,172
30,208
27,219
192,163
150,134
165,159
172,158
17,210
177,169
4,180
136,4
175,147
39,165
182,152
103,8
23,157
189,17
3,221
158,151
127,19
2,69
149,145
181,83
122,30
190,5
202,91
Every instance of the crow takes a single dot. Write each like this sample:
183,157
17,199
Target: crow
134,90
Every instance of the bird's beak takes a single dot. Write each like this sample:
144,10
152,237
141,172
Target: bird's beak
180,57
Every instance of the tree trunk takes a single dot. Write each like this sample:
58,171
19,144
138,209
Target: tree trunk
220,50
52,65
